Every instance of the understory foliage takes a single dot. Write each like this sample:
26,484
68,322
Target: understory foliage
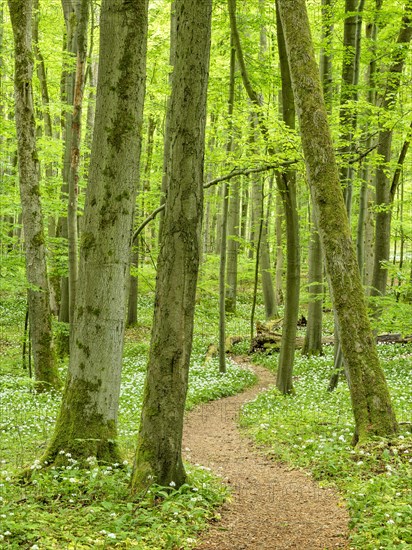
73,507
68,507
313,430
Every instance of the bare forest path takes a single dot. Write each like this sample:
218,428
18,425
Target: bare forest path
272,506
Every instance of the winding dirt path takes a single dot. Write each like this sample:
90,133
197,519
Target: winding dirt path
272,506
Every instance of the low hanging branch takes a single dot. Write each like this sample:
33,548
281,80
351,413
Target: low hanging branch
233,174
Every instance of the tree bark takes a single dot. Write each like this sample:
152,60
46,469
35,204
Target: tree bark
313,337
158,456
371,402
29,181
224,216
67,94
384,199
287,188
82,18
87,422
269,297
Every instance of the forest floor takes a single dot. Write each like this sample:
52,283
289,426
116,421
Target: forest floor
272,505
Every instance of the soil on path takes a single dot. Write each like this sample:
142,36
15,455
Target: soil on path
272,507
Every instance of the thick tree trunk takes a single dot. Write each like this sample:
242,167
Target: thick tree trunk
371,402
86,425
29,180
158,456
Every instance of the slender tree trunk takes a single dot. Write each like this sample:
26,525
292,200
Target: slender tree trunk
67,93
384,197
287,187
313,338
350,77
82,17
158,456
244,209
348,122
371,402
363,243
312,344
269,296
279,251
133,287
166,141
232,246
29,180
87,422
225,211
54,280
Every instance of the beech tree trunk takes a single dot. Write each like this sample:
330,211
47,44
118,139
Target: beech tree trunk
268,289
158,456
82,19
313,337
67,95
45,369
86,425
286,182
371,402
384,196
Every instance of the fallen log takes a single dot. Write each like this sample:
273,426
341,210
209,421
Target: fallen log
270,341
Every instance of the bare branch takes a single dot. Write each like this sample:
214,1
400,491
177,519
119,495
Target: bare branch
234,173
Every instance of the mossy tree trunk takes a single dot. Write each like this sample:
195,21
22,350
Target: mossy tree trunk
29,181
371,402
158,456
86,425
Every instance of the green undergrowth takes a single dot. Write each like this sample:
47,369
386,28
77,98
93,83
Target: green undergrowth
73,508
313,430
70,508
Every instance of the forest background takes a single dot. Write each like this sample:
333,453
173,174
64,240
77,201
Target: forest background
259,244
